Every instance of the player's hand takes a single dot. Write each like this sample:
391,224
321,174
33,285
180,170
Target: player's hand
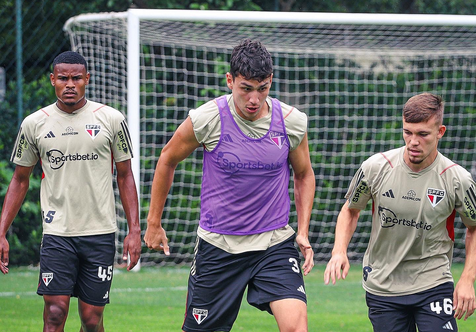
156,239
464,303
132,248
307,253
4,249
337,268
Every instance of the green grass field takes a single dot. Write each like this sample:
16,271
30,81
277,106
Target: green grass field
154,299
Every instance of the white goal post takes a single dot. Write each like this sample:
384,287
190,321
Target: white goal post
351,73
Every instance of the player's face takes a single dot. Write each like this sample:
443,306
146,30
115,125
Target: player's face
249,96
421,140
70,82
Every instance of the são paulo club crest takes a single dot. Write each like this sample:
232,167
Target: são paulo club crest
435,196
47,277
277,138
93,130
200,315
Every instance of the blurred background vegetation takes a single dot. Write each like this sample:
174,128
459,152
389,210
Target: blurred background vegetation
31,35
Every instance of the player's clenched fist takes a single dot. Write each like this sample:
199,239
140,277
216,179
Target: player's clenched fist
156,239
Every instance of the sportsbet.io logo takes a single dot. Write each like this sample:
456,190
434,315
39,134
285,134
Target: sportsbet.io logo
231,163
58,158
389,219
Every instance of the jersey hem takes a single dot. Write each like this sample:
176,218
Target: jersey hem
100,232
411,292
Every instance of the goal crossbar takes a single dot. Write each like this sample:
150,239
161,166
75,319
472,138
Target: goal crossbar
351,73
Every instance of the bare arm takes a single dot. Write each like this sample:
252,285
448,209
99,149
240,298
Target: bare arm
11,205
345,228
464,298
128,193
304,190
180,146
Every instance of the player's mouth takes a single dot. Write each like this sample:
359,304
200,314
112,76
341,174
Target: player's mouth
252,109
413,152
69,94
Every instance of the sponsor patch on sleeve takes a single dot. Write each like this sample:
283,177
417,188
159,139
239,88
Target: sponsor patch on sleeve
470,203
361,192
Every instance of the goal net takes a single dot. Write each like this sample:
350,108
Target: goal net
351,73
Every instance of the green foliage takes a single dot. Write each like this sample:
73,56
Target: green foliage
25,234
35,93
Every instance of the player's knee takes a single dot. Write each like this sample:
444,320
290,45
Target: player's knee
92,324
55,315
91,319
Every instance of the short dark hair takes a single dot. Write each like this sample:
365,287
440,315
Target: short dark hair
422,107
251,60
71,58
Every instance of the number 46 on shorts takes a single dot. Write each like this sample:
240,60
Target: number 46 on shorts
447,306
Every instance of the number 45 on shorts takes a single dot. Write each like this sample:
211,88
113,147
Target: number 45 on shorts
105,273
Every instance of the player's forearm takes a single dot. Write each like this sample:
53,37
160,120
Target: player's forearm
130,202
163,178
345,228
12,203
469,271
304,190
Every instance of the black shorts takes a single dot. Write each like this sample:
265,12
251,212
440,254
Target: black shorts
430,311
218,281
80,266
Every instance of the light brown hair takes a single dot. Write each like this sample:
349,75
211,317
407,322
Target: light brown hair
422,107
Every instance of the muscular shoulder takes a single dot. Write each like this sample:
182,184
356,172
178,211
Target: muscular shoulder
455,175
204,113
105,111
39,116
381,162
293,117
205,120
295,122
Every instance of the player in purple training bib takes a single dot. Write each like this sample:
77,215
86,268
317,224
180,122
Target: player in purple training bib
244,241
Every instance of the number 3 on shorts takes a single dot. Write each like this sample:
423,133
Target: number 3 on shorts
295,267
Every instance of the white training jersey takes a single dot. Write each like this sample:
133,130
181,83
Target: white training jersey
411,242
76,152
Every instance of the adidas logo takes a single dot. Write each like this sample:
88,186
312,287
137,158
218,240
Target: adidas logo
106,296
448,326
50,135
227,138
389,194
301,289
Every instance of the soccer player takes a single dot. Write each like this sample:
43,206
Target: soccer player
415,192
76,140
244,239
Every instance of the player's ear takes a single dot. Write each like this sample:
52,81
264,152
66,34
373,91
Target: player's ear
88,76
441,131
52,79
229,81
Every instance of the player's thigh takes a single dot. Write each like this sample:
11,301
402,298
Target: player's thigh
435,309
216,286
290,314
390,314
96,268
277,276
58,266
